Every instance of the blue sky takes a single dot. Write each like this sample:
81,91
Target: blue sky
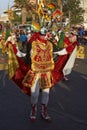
4,5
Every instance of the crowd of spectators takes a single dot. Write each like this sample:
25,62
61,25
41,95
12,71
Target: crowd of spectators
81,35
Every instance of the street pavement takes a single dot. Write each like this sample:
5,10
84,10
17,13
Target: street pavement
67,105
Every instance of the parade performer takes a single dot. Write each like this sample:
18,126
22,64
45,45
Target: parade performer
39,77
40,74
61,38
17,68
65,62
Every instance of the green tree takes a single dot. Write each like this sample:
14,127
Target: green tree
24,3
72,10
27,6
16,18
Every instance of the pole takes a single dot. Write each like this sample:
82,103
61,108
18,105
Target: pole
61,9
69,19
37,1
37,4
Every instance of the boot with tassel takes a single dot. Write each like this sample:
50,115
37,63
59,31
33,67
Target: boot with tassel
33,112
44,113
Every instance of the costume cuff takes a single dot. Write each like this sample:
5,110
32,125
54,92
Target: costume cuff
20,54
62,52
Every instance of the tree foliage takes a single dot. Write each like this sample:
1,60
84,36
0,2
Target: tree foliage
72,9
16,18
26,4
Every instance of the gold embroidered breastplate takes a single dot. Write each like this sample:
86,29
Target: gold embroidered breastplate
42,59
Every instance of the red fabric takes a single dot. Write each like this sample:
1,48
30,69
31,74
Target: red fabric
13,45
23,67
56,73
19,75
38,37
59,65
20,72
67,41
71,47
14,48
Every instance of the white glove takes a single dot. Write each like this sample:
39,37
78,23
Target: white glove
31,52
62,52
20,54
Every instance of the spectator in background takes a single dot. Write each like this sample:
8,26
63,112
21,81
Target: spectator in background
81,31
0,27
23,39
29,34
17,33
64,64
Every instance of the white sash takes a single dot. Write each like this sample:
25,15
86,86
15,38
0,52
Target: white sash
70,63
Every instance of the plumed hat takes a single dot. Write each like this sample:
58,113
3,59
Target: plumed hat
51,6
35,26
56,13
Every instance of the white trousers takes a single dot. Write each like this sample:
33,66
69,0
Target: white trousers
35,89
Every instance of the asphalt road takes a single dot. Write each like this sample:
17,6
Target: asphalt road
67,105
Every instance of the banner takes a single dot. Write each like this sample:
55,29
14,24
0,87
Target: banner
81,52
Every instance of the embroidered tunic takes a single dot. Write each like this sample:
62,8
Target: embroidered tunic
42,64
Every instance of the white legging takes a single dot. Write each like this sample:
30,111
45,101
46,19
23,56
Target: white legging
35,89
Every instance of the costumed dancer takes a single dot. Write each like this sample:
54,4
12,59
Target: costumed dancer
17,68
61,38
42,63
39,77
65,62
12,39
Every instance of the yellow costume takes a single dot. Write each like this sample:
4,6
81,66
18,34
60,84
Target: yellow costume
42,64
